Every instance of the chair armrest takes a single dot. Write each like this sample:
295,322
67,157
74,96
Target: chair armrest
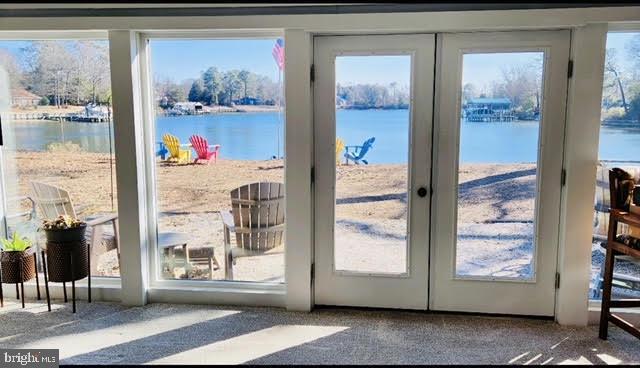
227,220
31,213
214,145
80,208
102,219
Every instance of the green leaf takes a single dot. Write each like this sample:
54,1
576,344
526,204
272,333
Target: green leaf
16,244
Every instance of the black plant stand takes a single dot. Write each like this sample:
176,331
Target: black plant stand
20,285
71,259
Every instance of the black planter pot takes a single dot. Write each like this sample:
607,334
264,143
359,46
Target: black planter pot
66,235
11,264
67,254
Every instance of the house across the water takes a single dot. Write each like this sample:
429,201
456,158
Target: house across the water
22,98
488,109
186,108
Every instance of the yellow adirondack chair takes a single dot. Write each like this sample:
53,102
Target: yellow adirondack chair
175,152
339,149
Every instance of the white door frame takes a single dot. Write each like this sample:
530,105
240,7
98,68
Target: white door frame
408,290
487,294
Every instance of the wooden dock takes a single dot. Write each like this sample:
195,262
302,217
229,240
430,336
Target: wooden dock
55,117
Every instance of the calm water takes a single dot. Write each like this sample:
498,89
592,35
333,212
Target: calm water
255,136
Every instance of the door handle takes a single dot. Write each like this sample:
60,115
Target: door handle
422,192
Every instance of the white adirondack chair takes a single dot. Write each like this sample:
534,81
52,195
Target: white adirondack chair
53,201
256,218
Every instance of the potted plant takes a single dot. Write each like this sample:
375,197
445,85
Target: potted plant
66,249
64,229
17,252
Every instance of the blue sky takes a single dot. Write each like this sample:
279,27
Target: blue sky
373,69
182,59
482,69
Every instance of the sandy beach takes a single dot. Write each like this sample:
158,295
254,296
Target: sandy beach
370,211
495,214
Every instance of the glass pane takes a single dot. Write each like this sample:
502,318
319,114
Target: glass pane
219,134
500,124
55,101
619,147
372,156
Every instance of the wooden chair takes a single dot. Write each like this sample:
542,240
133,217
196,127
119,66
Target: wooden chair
600,233
620,183
53,201
257,220
204,150
176,153
357,153
339,148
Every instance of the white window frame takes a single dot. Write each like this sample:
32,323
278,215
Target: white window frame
171,290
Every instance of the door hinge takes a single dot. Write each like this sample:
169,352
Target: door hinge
313,174
570,69
313,273
557,280
312,73
563,177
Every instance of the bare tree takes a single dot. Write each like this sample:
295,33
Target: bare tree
613,73
51,69
469,91
518,84
94,76
243,75
10,64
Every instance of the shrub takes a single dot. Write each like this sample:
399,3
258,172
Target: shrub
64,147
612,113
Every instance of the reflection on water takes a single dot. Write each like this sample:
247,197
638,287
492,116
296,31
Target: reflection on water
37,135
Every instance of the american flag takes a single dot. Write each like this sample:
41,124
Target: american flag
278,53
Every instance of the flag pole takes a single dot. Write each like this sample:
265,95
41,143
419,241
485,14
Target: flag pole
279,107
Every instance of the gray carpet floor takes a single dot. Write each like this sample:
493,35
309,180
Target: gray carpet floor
107,333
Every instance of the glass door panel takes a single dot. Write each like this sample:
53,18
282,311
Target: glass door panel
372,153
500,123
372,162
497,165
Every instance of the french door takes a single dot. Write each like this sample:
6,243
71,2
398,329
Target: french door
497,177
488,140
371,218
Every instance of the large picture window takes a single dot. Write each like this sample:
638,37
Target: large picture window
57,152
218,130
619,147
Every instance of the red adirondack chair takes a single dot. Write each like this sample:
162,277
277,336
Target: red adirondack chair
202,148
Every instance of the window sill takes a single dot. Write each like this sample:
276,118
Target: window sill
105,289
219,293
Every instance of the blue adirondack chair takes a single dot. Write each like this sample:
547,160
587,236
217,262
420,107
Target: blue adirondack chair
162,150
357,155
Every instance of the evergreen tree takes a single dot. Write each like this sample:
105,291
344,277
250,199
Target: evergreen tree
196,91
